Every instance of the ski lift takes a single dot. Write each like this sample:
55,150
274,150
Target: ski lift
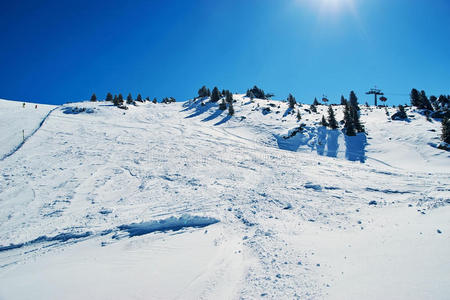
324,99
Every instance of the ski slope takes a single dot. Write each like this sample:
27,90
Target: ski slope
182,201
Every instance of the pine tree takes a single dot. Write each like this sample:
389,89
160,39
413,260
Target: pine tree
204,92
129,99
115,100
332,123
228,97
313,108
445,130
315,103
425,103
147,99
323,122
343,100
109,97
223,105
230,109
139,98
93,98
348,120
120,99
299,116
292,101
353,100
215,95
154,100
355,118
415,98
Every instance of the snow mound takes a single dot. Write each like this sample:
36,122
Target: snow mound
169,224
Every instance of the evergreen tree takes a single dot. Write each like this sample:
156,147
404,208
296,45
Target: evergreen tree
257,93
120,99
355,118
93,98
230,108
313,108
228,97
204,92
299,116
332,123
215,95
115,100
415,98
353,100
445,130
323,122
348,120
343,100
154,100
315,103
139,98
147,99
109,97
129,99
292,102
250,95
425,103
223,105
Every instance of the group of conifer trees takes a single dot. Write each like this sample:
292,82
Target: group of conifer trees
216,95
118,100
439,108
351,121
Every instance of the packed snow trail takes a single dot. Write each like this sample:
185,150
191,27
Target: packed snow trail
105,171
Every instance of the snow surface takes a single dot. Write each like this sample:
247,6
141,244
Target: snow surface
182,201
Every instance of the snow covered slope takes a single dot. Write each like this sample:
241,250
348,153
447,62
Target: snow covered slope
18,122
181,201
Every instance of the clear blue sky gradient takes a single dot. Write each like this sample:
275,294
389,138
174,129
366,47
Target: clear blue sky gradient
59,51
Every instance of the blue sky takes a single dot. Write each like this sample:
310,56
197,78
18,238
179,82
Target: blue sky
59,51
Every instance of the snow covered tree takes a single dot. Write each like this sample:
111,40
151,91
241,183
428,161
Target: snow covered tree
323,122
445,130
139,98
129,99
93,98
204,92
215,95
291,100
223,105
109,97
332,123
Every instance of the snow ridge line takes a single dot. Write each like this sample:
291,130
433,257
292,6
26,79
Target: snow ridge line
15,149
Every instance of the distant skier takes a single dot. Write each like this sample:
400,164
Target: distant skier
35,106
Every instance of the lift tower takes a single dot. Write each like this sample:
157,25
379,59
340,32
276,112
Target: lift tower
375,92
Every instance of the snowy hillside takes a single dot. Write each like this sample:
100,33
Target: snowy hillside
183,201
